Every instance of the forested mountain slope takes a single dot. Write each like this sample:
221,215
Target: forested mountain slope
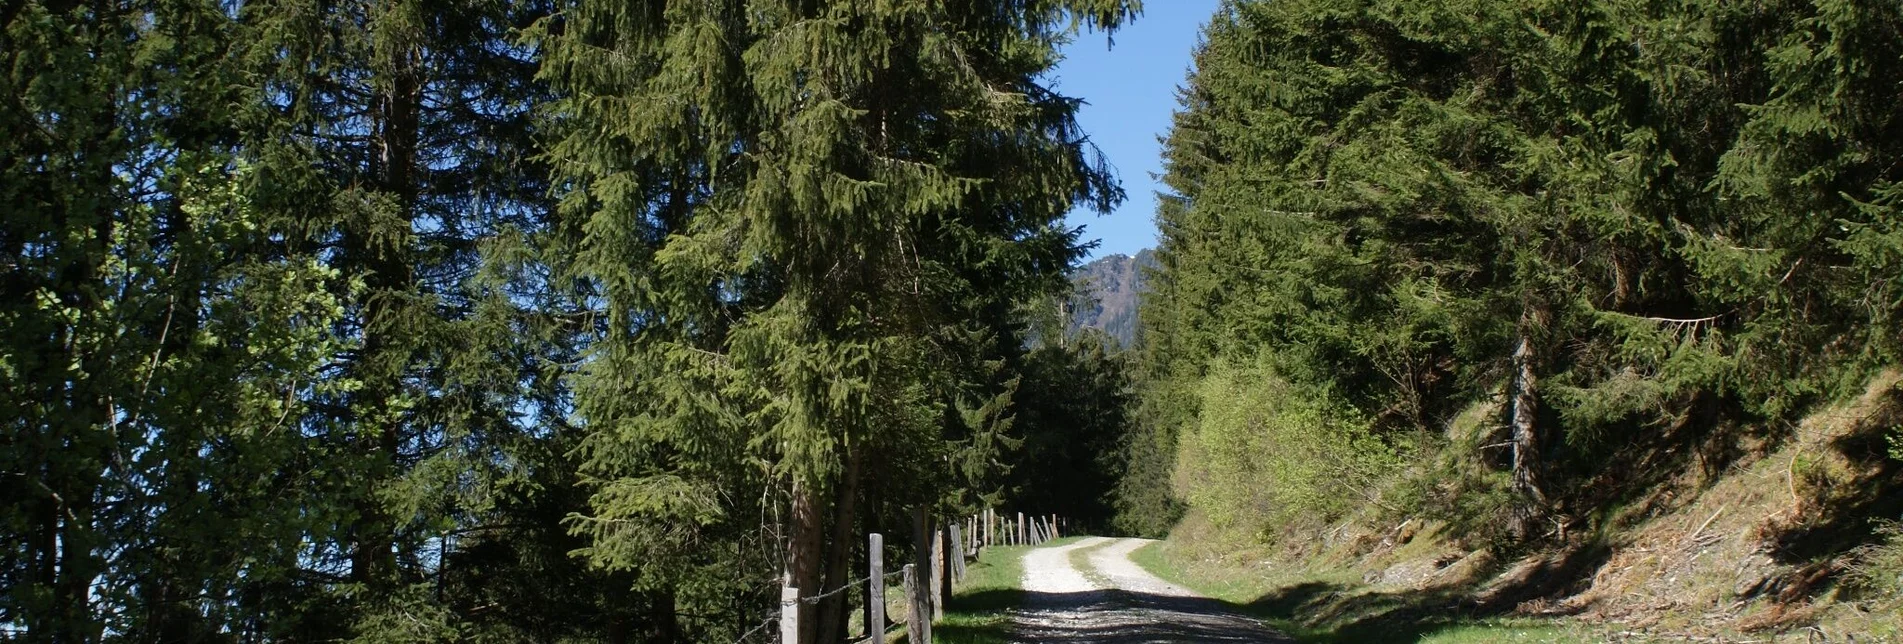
1108,292
1516,268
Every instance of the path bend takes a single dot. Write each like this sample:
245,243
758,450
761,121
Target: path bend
1115,601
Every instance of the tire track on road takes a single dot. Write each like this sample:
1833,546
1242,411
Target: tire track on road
1118,602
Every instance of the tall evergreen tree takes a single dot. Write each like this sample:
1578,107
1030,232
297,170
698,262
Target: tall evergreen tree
275,287
162,342
403,137
799,215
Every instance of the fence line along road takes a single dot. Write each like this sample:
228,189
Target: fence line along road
949,550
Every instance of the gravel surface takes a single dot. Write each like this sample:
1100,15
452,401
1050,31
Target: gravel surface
1119,602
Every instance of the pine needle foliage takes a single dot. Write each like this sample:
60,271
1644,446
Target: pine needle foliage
808,224
1609,216
278,330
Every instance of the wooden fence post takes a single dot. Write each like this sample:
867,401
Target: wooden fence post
789,613
1023,537
973,537
918,619
875,592
938,575
991,519
922,528
955,549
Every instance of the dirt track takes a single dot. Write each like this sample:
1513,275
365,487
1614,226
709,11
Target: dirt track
1118,602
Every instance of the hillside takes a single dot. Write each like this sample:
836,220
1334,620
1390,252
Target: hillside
1108,291
1470,309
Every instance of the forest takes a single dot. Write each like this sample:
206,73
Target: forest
593,321
509,320
1558,281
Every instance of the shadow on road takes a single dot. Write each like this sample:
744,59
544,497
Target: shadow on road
1120,617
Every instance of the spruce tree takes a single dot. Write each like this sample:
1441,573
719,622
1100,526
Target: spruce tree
797,215
1607,218
162,343
402,137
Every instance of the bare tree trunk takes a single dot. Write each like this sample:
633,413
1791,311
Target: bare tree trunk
1526,439
833,610
804,554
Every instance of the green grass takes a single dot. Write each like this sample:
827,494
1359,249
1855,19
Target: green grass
1333,607
1080,560
979,610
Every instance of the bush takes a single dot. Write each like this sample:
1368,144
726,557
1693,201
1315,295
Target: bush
1266,455
1453,481
1878,567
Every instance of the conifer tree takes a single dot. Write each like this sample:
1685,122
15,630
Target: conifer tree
161,342
798,215
1606,218
402,136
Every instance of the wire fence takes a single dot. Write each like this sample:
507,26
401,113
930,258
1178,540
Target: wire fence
964,538
774,617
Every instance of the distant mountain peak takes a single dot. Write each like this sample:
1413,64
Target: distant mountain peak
1109,290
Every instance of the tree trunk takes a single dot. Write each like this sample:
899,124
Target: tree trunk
1526,440
833,610
805,553
667,621
386,258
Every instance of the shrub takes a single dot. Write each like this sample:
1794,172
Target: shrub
1878,567
1266,454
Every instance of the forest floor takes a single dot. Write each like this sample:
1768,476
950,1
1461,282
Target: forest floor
1090,591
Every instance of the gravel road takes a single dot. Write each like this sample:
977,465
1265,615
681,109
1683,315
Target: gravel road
1118,602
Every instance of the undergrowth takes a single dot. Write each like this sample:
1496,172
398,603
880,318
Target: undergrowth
1724,530
1328,604
1878,567
1267,452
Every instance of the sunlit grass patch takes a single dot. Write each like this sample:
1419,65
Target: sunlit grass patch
1325,605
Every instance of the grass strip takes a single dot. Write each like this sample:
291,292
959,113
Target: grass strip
1080,561
1314,606
980,608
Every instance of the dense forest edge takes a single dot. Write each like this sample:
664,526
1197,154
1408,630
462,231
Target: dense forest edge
1560,309
592,321
522,320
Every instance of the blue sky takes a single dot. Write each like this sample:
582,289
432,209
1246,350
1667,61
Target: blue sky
1131,91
